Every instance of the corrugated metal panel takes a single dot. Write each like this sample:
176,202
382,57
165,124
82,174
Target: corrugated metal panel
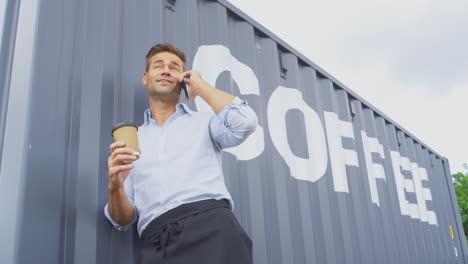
327,178
8,11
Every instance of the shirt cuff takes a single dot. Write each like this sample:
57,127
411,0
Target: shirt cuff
115,224
236,105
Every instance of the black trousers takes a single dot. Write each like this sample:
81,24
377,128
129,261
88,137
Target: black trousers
200,232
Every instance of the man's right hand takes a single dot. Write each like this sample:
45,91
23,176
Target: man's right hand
118,170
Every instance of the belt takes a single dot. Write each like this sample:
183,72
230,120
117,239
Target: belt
169,223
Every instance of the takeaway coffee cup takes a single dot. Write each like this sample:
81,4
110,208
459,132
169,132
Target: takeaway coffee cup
127,132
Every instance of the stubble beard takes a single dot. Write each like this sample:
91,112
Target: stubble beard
165,92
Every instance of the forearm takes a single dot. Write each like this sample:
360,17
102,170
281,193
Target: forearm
120,208
216,98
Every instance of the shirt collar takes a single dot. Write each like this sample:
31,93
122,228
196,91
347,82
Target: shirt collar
180,109
184,107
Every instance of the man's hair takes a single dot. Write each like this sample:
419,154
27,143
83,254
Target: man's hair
164,47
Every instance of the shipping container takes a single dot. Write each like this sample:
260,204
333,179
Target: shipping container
325,178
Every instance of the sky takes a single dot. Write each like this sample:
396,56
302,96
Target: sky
409,59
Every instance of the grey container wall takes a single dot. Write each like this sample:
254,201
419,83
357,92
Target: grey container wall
327,178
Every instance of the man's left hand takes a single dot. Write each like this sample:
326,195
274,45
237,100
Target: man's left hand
216,98
195,83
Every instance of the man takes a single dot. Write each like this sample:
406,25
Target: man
175,191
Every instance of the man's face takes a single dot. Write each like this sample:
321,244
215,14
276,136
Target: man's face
161,79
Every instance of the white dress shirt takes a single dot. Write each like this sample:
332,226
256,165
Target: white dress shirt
180,162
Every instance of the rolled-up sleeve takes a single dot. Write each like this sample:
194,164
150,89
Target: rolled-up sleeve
128,185
233,124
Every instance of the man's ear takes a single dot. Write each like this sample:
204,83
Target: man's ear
144,79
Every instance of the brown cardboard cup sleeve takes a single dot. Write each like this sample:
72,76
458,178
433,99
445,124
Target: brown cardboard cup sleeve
128,133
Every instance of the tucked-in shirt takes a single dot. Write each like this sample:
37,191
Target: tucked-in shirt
180,161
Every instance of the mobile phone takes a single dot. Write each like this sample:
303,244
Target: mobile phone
184,86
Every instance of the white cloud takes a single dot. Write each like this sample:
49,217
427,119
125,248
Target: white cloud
407,58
